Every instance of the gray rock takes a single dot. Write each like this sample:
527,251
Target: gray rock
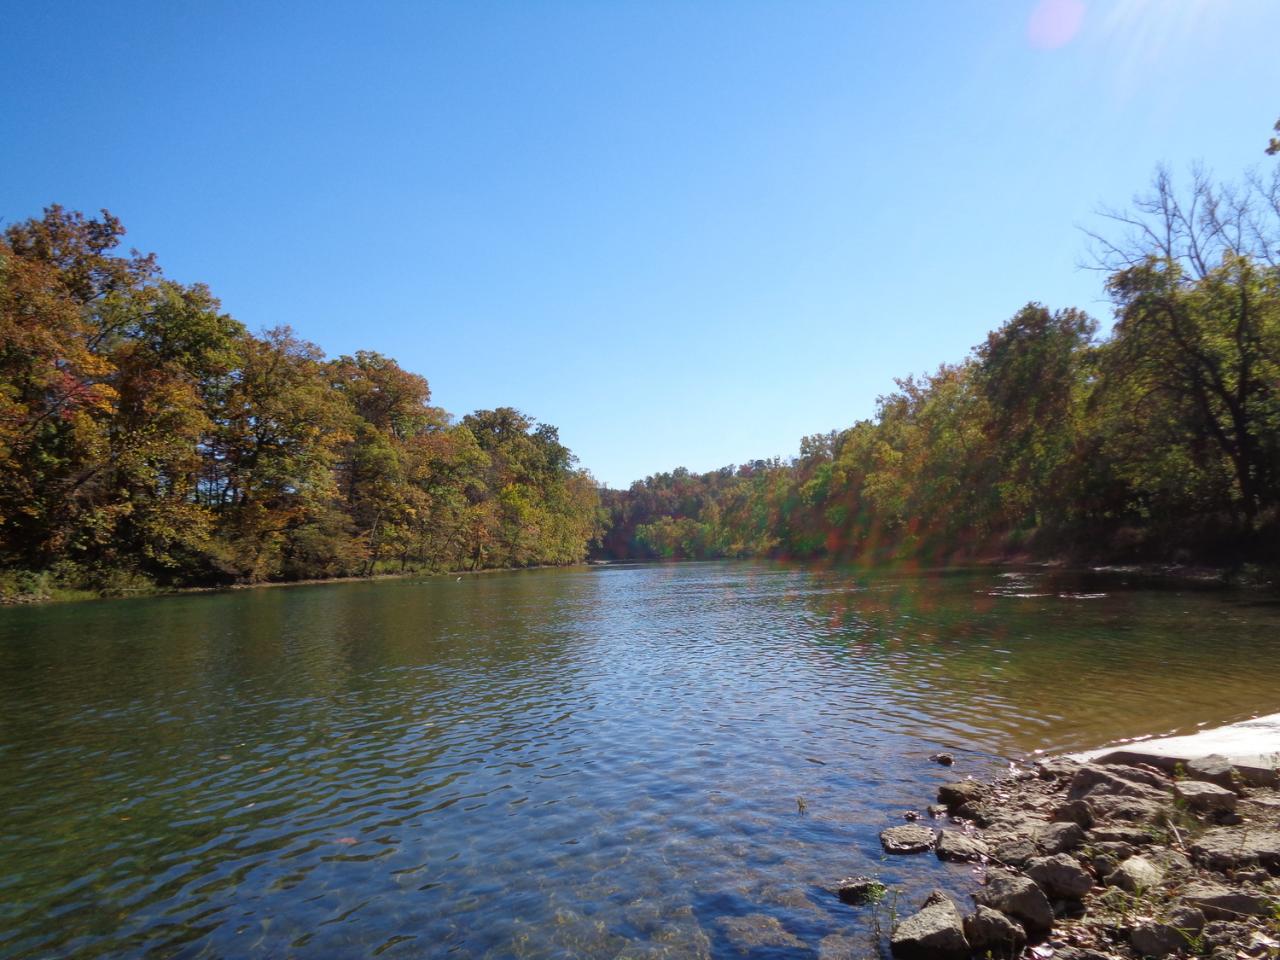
976,811
1128,809
1060,877
1222,903
938,810
957,794
858,890
1096,780
1020,898
1136,874
1214,769
1152,939
907,839
1123,833
991,931
1075,811
1059,837
1169,860
1205,797
960,847
935,933
1015,852
1227,848
1061,769
1224,933
935,897
1190,920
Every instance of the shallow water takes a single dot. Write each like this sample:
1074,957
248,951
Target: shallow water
586,763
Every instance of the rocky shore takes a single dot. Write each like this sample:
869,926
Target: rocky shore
1088,860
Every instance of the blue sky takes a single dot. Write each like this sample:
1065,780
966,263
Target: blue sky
685,233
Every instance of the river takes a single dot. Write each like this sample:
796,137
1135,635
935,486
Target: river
628,761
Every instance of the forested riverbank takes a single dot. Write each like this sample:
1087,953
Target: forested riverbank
1158,442
147,438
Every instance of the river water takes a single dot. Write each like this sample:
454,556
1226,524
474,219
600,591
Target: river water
630,761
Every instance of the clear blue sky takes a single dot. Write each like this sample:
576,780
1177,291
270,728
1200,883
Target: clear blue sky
685,233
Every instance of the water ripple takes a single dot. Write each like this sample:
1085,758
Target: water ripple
560,763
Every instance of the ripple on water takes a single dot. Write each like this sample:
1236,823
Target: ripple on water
560,763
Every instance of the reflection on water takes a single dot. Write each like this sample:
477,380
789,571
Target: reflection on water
588,763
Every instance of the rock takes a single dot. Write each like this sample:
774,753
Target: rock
1135,874
956,795
1226,848
1060,877
935,933
938,810
1057,769
1221,933
1205,797
1075,811
1108,855
1058,837
1096,780
1123,833
1016,852
1187,919
1020,898
858,890
1081,953
1214,769
1013,826
960,847
911,816
991,932
979,813
935,897
1152,939
1128,809
945,759
1222,903
837,946
1170,861
757,930
908,839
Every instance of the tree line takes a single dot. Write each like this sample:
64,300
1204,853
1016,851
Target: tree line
146,437
1158,441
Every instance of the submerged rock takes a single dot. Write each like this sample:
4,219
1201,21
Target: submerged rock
935,933
907,839
757,930
859,890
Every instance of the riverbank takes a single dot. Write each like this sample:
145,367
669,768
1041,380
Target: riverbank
1153,849
65,595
